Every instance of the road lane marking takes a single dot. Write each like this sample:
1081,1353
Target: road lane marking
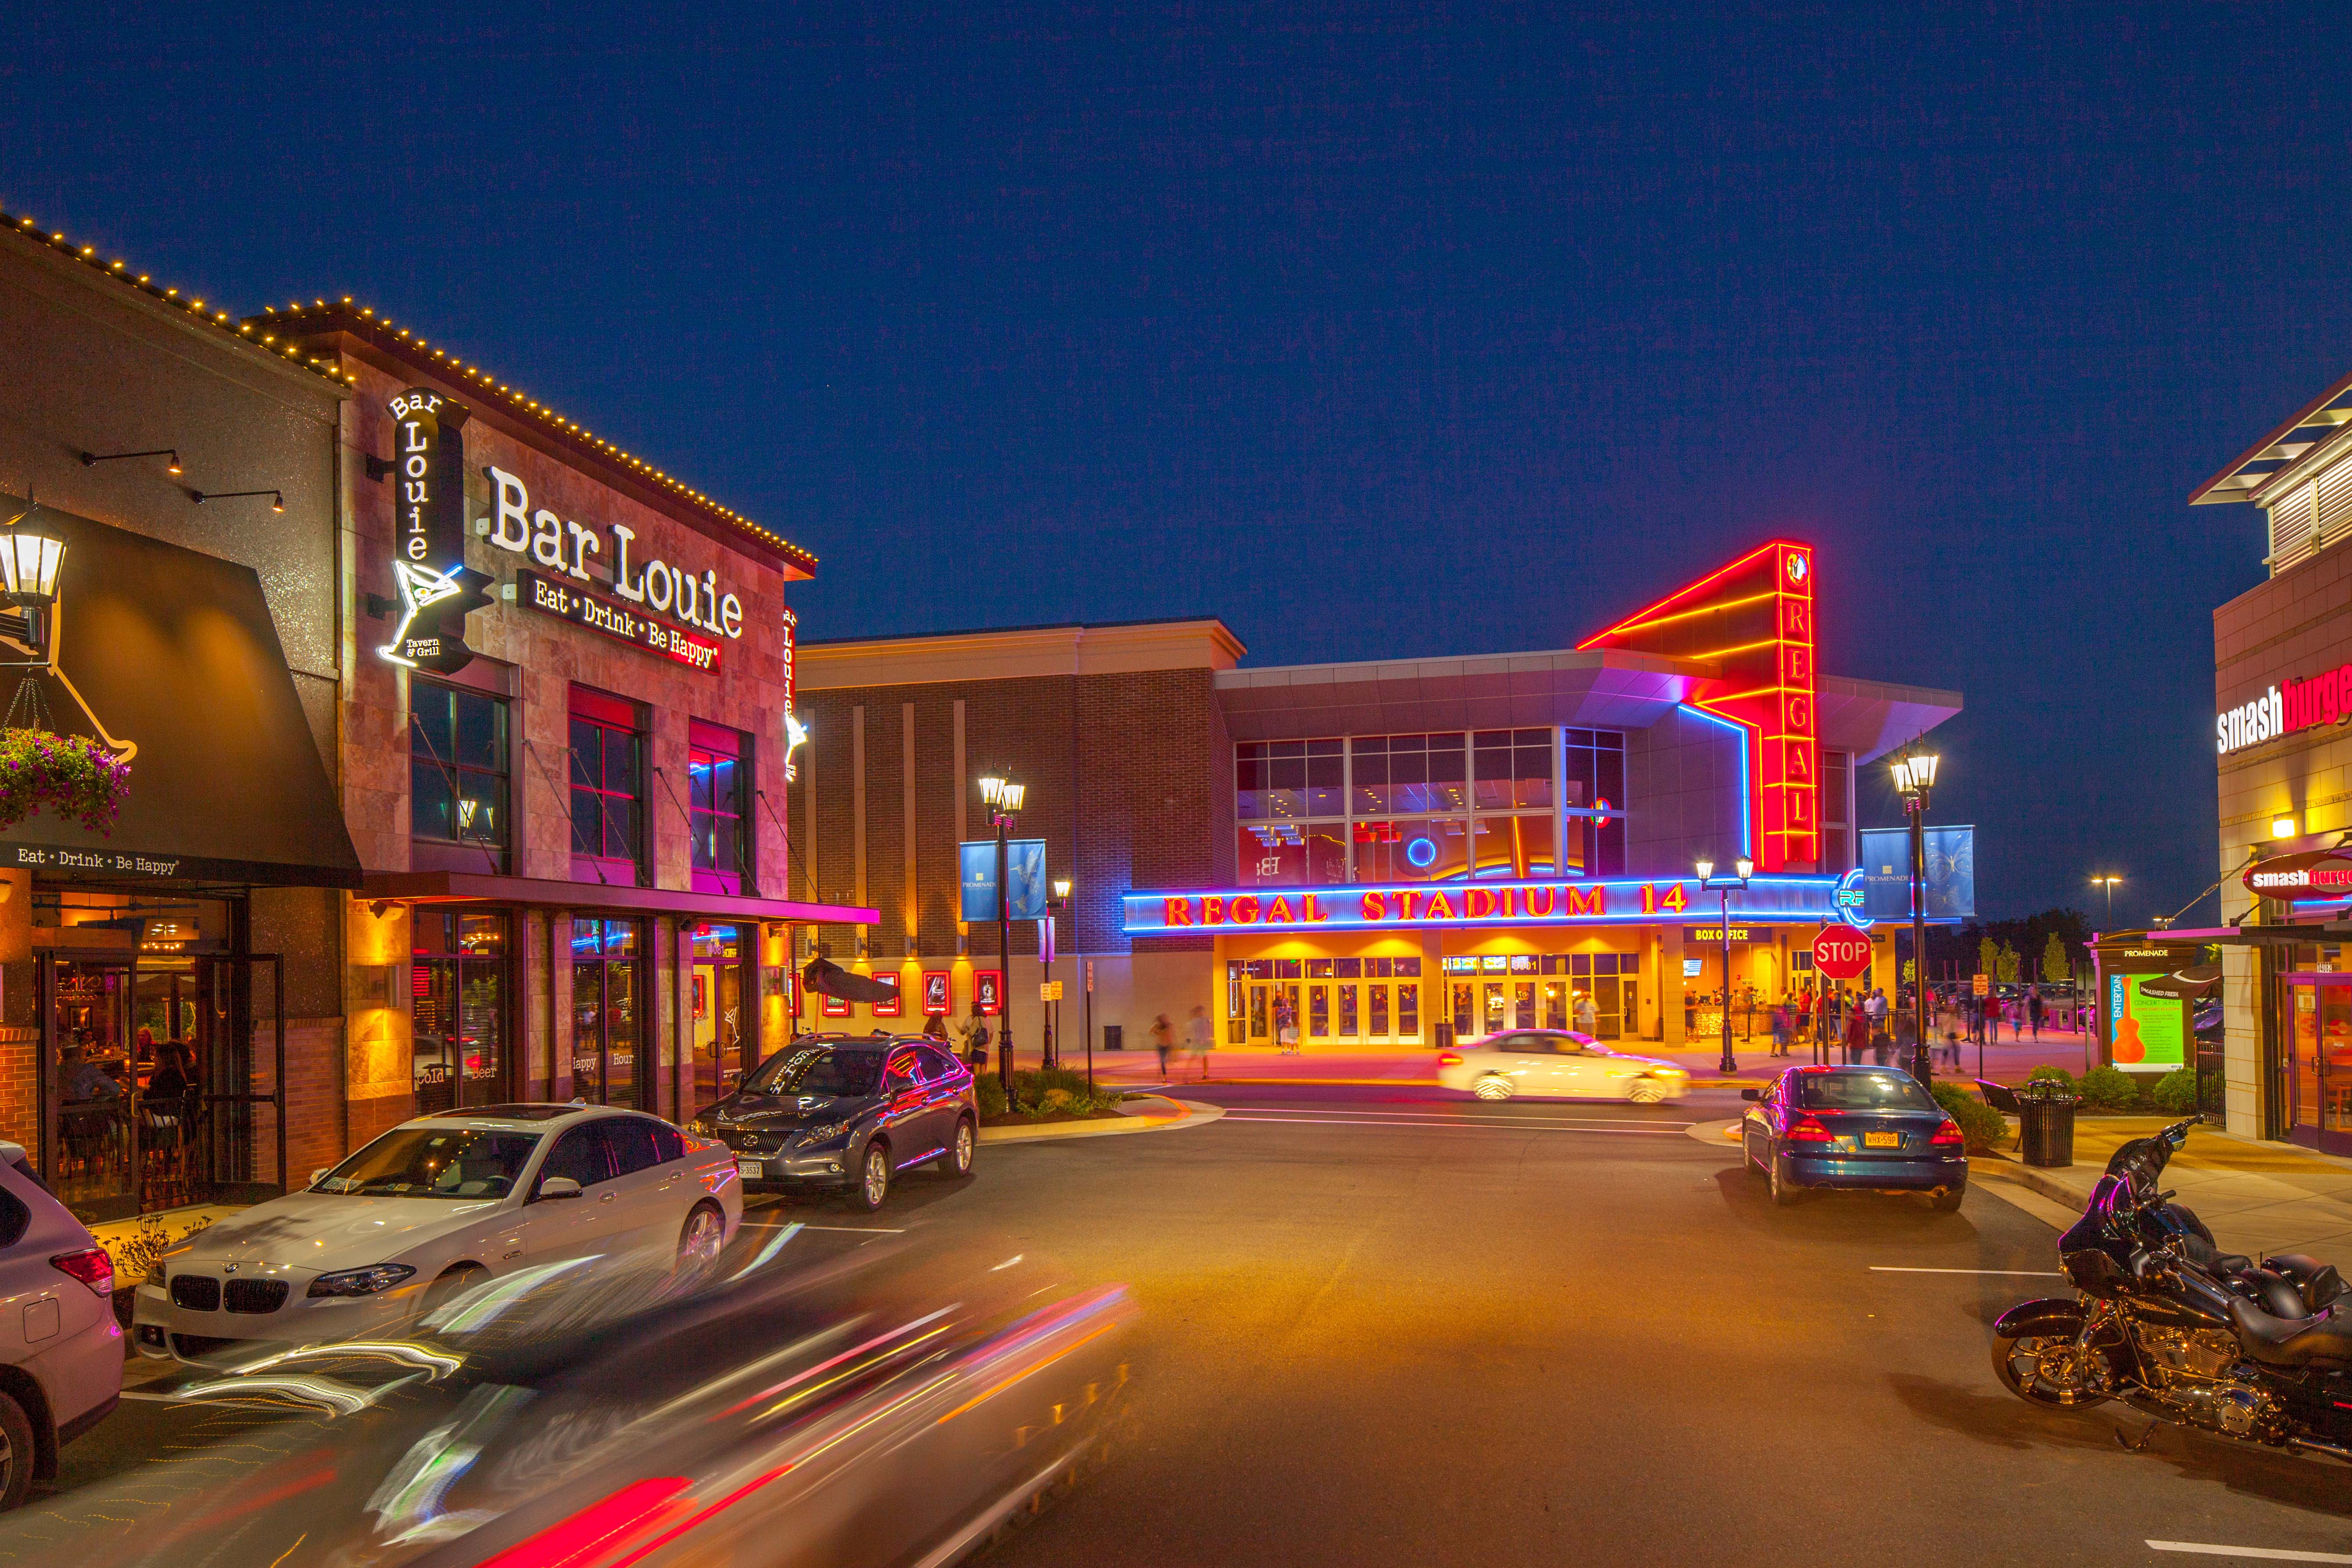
1458,1125
1469,1119
858,1229
2268,1553
2011,1273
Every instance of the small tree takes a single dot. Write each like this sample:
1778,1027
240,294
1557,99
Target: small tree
2056,967
2007,958
1988,956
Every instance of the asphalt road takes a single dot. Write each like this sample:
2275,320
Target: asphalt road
1387,1326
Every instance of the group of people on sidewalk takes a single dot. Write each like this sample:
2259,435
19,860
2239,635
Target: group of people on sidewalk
1883,1031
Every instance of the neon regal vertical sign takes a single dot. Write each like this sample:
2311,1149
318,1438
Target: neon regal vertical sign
1754,620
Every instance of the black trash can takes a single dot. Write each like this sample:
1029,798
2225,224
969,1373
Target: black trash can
2045,1116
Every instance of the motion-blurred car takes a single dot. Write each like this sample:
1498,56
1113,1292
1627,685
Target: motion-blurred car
1557,1064
61,1348
893,1404
1871,1128
430,1208
848,1113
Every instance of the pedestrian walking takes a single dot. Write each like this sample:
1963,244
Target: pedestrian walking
935,1028
976,1055
2033,1013
1951,1047
1199,1038
1588,1016
1163,1040
1782,1028
1286,1027
1857,1036
1906,1038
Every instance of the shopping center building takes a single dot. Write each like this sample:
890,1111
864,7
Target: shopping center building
455,740
1390,853
2282,699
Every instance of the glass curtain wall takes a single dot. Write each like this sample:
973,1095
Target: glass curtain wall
1520,805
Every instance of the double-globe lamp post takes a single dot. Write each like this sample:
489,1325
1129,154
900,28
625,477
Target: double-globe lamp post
1004,797
1743,868
1914,777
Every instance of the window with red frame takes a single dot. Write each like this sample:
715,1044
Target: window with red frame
719,808
608,789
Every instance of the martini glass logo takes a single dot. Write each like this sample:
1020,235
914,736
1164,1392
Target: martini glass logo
430,603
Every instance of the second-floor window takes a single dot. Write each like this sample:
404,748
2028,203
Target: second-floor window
718,766
608,755
458,777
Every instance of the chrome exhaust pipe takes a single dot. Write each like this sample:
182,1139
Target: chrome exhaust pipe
2335,1450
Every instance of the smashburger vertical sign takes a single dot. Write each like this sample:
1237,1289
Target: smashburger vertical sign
2313,874
2291,705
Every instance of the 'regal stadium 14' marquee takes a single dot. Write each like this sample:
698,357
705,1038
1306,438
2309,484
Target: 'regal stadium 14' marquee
1470,904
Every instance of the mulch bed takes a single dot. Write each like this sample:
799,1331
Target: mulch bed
1014,1118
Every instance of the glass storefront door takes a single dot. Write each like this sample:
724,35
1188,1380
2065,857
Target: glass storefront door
723,1050
2318,1031
458,1000
606,1025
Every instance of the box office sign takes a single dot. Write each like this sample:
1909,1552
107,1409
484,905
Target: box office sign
1810,898
2317,874
569,601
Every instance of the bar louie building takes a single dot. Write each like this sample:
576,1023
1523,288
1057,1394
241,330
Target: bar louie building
565,748
1382,855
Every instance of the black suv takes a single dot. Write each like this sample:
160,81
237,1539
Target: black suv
847,1112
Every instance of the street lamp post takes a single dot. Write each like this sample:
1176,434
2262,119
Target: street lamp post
1053,1014
1914,777
1745,868
1004,799
2109,884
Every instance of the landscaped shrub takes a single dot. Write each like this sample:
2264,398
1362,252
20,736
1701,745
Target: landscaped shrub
2176,1093
2110,1089
2056,1074
1984,1128
989,1090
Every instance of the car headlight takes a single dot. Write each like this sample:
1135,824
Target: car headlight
368,1281
826,1133
1668,1072
702,1129
155,1274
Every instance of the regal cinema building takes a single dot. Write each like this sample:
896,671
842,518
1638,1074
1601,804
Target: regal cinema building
1392,853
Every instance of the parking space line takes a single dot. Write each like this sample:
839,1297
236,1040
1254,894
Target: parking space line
2267,1554
2011,1273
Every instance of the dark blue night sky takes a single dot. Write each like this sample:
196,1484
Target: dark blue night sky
1421,330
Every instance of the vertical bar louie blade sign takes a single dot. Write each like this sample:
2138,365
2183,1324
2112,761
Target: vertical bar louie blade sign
437,589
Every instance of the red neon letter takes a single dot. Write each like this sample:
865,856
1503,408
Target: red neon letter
1244,909
1279,911
1314,910
1213,910
1583,901
1374,907
1178,912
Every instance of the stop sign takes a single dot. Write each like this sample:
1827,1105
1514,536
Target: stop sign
1841,952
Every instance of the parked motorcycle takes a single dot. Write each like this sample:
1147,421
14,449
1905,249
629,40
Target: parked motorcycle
2181,1330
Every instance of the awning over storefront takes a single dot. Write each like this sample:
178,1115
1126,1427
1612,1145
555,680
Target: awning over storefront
829,979
2189,985
464,887
175,652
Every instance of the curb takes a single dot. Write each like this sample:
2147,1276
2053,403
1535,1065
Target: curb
2031,1178
1180,1113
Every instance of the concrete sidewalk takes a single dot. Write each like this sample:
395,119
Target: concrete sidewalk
2256,1197
2004,1063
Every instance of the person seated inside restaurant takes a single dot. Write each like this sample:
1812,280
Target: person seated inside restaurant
81,1081
174,1076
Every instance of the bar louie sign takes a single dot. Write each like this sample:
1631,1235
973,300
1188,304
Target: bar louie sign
1462,904
656,587
2320,874
2290,706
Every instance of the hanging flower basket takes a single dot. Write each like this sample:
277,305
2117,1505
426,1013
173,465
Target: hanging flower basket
78,780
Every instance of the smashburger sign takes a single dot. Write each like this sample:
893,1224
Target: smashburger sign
2315,874
2283,708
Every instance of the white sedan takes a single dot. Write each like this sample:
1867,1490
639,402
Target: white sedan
1558,1064
59,1345
434,1207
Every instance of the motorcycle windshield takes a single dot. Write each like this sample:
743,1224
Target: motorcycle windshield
2143,1159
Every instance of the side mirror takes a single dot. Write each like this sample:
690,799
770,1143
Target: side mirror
320,1174
559,1188
1751,1094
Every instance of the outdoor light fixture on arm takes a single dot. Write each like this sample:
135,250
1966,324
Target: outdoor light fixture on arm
1742,869
1003,797
1914,778
171,459
2109,884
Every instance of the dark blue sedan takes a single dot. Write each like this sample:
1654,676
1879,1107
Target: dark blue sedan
1871,1127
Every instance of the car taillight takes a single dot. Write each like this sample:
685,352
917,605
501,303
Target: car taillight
91,1266
1947,1136
1807,1130
1449,1058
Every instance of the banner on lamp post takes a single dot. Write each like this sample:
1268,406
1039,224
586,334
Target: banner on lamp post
1025,863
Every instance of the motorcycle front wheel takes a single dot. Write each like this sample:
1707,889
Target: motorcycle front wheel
2046,1369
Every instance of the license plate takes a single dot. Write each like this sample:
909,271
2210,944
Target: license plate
752,1170
1881,1140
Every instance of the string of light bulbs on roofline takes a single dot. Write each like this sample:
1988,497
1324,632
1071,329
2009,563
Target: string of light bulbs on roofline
222,320
365,319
